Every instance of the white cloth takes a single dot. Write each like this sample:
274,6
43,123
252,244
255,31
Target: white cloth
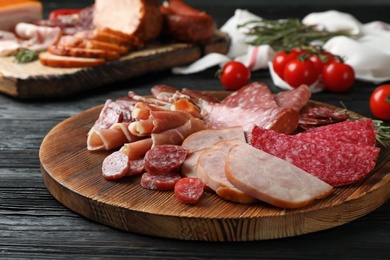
367,50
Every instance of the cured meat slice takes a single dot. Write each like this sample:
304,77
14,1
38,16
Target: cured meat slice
56,61
141,111
209,137
116,136
271,179
37,37
165,158
82,52
165,120
136,166
295,98
189,190
188,167
360,137
137,149
336,163
115,166
103,36
211,170
186,106
217,116
177,135
142,127
141,18
349,125
253,95
162,182
161,89
319,116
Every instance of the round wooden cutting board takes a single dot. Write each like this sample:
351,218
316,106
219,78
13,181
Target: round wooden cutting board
72,174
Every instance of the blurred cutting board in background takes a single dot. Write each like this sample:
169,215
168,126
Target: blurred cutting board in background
34,80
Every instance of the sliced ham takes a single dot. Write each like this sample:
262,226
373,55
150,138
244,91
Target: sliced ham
19,11
104,36
56,61
211,170
83,52
271,179
141,18
209,137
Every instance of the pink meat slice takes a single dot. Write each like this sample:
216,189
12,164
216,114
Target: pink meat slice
337,163
165,158
271,179
211,170
295,99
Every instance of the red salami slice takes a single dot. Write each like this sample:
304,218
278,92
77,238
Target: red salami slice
295,99
349,125
359,137
256,94
189,190
115,166
165,158
164,181
336,163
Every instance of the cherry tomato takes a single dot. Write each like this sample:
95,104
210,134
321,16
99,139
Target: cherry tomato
280,60
380,102
234,75
298,72
338,76
317,61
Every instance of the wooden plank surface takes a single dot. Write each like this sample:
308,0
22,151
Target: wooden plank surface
72,174
34,80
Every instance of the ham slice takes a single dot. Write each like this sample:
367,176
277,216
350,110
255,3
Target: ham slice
141,18
271,179
209,137
37,37
211,170
18,11
83,52
56,61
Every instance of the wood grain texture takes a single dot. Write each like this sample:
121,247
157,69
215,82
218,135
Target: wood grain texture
34,80
73,176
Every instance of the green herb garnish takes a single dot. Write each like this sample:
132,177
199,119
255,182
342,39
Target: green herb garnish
26,55
285,34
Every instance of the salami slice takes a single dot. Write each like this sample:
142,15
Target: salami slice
136,166
349,125
189,190
162,182
256,94
336,163
359,137
165,158
295,98
115,166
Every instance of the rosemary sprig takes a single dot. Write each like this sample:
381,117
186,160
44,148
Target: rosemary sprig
382,133
285,34
26,55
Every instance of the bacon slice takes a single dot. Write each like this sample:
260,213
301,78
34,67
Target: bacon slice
271,179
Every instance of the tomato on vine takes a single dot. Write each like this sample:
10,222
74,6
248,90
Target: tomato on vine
380,102
281,59
234,75
338,76
300,71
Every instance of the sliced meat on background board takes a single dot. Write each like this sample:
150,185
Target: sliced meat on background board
271,179
337,163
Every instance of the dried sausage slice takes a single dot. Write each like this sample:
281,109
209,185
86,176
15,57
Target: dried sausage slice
155,181
115,166
189,190
165,158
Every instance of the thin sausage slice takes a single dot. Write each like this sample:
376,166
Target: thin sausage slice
271,179
115,166
189,190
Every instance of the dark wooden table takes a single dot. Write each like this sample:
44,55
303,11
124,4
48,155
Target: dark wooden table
34,225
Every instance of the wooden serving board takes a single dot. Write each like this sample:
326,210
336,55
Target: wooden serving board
34,80
72,174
